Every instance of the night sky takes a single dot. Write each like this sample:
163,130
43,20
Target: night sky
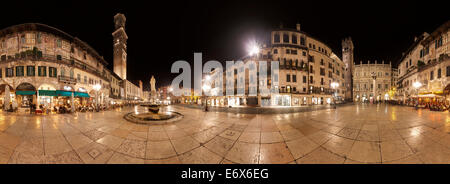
160,34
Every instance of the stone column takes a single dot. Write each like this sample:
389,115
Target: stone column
374,90
7,98
37,99
259,100
71,102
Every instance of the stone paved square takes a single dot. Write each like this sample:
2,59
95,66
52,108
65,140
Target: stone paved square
344,135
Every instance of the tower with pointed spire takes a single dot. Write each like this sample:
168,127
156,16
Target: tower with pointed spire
347,58
120,46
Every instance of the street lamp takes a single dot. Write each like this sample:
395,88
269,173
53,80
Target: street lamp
97,88
335,85
206,88
253,48
417,85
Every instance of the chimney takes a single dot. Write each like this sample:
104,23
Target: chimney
281,25
360,62
415,38
298,27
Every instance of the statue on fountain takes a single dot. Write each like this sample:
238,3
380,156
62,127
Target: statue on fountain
153,94
153,107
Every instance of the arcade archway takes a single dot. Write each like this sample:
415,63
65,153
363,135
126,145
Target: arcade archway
25,95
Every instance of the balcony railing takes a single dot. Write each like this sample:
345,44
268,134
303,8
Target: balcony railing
57,59
433,62
67,79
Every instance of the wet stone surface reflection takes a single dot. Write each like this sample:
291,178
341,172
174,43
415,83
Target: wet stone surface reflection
350,134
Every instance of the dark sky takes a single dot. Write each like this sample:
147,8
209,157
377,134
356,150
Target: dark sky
162,33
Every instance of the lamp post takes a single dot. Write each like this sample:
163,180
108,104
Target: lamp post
206,88
335,85
96,88
253,49
170,91
374,77
416,86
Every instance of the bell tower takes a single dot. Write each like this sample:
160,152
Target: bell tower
347,58
120,46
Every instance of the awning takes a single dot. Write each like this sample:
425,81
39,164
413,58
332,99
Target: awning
63,93
25,92
428,96
47,92
81,94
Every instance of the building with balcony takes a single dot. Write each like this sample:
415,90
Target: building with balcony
45,66
307,67
427,65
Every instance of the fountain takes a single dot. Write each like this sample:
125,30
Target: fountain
151,113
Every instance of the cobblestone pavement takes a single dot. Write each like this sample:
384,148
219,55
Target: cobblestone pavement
350,134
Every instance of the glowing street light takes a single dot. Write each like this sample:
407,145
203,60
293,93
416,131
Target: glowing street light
417,84
206,87
97,88
253,48
335,85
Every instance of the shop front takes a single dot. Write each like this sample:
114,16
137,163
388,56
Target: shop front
46,99
25,95
233,101
55,99
46,94
281,100
314,100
